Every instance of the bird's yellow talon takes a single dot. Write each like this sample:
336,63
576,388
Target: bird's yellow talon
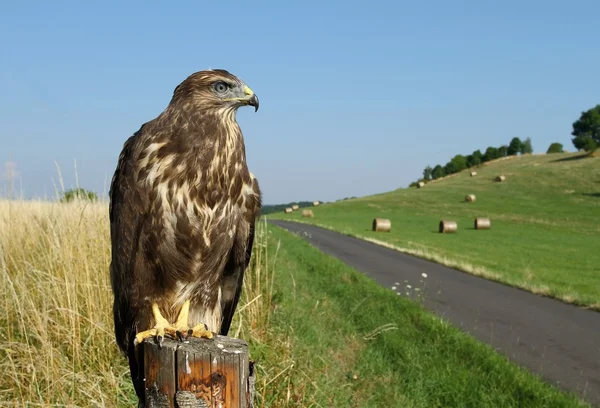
200,331
175,331
141,336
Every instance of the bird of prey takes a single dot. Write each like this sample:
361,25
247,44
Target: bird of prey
183,207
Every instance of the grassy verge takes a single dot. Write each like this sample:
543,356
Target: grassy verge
352,343
544,223
322,334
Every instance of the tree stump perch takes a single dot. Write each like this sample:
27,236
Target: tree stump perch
198,373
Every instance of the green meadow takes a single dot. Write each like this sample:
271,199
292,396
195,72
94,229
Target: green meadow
544,231
321,333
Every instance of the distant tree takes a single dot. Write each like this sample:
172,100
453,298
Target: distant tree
514,147
555,148
475,158
459,162
469,160
456,164
587,127
491,153
78,194
427,173
526,147
438,172
503,151
586,143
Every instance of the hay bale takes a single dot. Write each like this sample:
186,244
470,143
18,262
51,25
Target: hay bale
382,224
447,226
420,184
307,213
295,207
316,203
470,198
500,178
473,173
288,210
482,223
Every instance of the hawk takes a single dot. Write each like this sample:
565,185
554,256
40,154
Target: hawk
183,207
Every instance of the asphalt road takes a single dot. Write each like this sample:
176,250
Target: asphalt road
556,340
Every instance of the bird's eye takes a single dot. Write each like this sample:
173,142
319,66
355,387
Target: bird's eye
221,87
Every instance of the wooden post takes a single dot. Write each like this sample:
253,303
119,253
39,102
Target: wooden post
198,373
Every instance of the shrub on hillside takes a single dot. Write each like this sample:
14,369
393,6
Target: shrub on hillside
78,194
555,148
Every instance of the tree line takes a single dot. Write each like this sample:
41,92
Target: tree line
586,136
461,162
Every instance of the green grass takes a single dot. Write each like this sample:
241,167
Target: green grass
544,235
348,342
311,322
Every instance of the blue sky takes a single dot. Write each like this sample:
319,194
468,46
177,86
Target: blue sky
356,97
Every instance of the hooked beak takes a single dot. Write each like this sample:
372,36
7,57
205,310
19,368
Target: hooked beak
251,99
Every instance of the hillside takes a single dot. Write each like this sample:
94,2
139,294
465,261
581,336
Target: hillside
544,223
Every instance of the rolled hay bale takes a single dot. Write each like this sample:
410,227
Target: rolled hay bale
295,207
482,223
382,224
447,226
288,210
307,213
470,198
420,184
473,173
500,178
316,203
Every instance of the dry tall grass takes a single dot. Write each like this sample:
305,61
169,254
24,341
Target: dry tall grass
56,332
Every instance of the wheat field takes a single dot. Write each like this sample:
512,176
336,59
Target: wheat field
57,345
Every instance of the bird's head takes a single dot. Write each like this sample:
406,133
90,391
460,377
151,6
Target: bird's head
215,89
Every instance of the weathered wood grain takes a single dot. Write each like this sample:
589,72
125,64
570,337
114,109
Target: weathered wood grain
198,373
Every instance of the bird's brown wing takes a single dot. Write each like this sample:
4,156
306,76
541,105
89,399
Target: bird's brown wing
129,268
239,259
126,213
